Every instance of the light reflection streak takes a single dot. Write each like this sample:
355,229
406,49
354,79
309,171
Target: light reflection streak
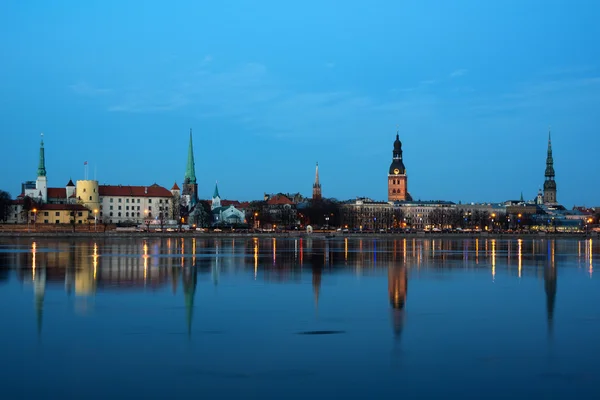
493,259
477,251
193,251
255,257
33,252
520,256
274,250
346,249
95,259
145,257
404,249
591,269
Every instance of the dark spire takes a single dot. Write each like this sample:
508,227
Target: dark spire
549,159
397,166
216,192
42,164
190,171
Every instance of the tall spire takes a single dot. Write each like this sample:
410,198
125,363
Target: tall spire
216,192
317,186
549,159
42,164
190,171
549,183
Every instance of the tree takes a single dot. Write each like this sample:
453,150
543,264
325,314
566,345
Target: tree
28,205
5,205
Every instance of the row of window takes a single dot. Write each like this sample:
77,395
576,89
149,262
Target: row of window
119,200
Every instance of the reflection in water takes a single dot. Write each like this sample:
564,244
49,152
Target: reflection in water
397,289
88,267
550,286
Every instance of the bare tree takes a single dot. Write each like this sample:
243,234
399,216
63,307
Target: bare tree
5,205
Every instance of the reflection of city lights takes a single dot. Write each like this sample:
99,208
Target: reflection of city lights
346,249
493,258
404,249
274,250
145,257
95,259
590,256
33,251
193,251
301,251
520,256
255,257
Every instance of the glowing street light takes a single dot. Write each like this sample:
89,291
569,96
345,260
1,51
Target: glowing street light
95,219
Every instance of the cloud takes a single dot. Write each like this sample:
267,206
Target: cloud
85,89
458,72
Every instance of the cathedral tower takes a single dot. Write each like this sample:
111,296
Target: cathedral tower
397,185
317,186
549,183
41,184
190,187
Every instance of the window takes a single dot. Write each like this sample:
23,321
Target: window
57,221
149,208
111,214
100,214
126,200
127,207
138,208
149,200
45,221
138,201
111,200
79,213
83,190
111,207
160,201
133,200
138,214
79,221
119,207
90,198
45,213
119,214
127,214
119,200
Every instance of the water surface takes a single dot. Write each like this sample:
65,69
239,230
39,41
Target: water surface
299,318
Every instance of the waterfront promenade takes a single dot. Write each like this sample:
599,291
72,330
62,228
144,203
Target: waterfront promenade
66,232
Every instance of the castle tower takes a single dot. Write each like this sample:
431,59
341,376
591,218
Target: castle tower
41,184
190,187
70,190
216,199
397,185
549,183
88,194
317,186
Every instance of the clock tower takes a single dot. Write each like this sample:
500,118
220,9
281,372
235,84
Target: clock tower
397,185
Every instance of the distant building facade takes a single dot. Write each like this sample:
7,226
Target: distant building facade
397,180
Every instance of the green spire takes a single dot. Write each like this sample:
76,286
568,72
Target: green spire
522,197
42,165
190,171
216,193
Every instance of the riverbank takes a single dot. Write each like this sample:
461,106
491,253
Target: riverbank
296,234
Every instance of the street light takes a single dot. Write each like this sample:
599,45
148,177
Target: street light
34,218
95,219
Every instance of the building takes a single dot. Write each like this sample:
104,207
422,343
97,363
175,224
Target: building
225,214
419,214
316,194
134,204
366,214
38,190
189,195
549,183
397,181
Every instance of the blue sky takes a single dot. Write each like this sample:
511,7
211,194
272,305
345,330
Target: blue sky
270,88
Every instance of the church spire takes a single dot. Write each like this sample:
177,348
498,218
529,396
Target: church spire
190,171
550,183
317,185
216,192
42,164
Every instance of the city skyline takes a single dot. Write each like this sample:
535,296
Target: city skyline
473,87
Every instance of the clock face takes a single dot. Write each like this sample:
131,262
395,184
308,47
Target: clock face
396,171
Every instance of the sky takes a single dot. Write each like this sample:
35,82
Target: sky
270,88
